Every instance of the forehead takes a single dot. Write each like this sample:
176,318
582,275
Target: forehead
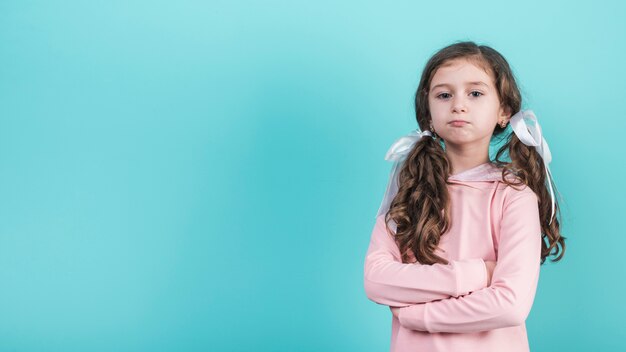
460,73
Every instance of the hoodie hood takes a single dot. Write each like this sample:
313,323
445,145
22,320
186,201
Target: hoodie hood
484,172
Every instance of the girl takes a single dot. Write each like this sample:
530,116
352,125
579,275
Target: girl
458,240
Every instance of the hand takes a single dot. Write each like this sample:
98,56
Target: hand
395,311
490,266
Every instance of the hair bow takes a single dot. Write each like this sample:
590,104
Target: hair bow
527,129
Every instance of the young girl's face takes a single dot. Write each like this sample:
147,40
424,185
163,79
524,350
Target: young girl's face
463,91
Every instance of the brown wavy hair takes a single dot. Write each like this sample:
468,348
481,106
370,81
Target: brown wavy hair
421,209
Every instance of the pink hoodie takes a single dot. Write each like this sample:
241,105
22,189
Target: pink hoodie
450,307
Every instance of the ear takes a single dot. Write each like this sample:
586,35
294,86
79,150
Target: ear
504,114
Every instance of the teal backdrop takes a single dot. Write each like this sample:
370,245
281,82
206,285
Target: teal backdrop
204,175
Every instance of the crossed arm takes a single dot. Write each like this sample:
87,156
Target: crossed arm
457,297
390,282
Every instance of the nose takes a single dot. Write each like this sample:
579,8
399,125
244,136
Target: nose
458,105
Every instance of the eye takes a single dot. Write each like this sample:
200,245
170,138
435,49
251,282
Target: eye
446,95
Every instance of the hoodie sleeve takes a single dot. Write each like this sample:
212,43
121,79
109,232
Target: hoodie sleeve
507,302
390,282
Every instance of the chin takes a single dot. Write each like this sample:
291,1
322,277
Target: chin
458,140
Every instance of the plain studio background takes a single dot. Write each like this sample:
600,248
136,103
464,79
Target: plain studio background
204,175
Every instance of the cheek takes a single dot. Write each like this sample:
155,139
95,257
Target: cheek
488,124
436,109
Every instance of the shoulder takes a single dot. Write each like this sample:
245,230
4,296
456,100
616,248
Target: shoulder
382,225
519,194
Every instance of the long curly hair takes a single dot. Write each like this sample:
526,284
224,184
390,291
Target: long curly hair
421,209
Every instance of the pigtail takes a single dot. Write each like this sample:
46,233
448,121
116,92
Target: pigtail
417,207
528,167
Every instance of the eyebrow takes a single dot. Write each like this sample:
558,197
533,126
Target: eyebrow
466,83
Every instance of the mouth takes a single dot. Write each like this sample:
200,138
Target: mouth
458,123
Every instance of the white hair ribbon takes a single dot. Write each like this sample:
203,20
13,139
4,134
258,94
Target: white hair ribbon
397,153
527,129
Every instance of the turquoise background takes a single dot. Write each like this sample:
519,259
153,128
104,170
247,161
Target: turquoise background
204,176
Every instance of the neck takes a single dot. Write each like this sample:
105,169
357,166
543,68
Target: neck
465,158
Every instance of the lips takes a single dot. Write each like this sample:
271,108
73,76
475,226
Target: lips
458,123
